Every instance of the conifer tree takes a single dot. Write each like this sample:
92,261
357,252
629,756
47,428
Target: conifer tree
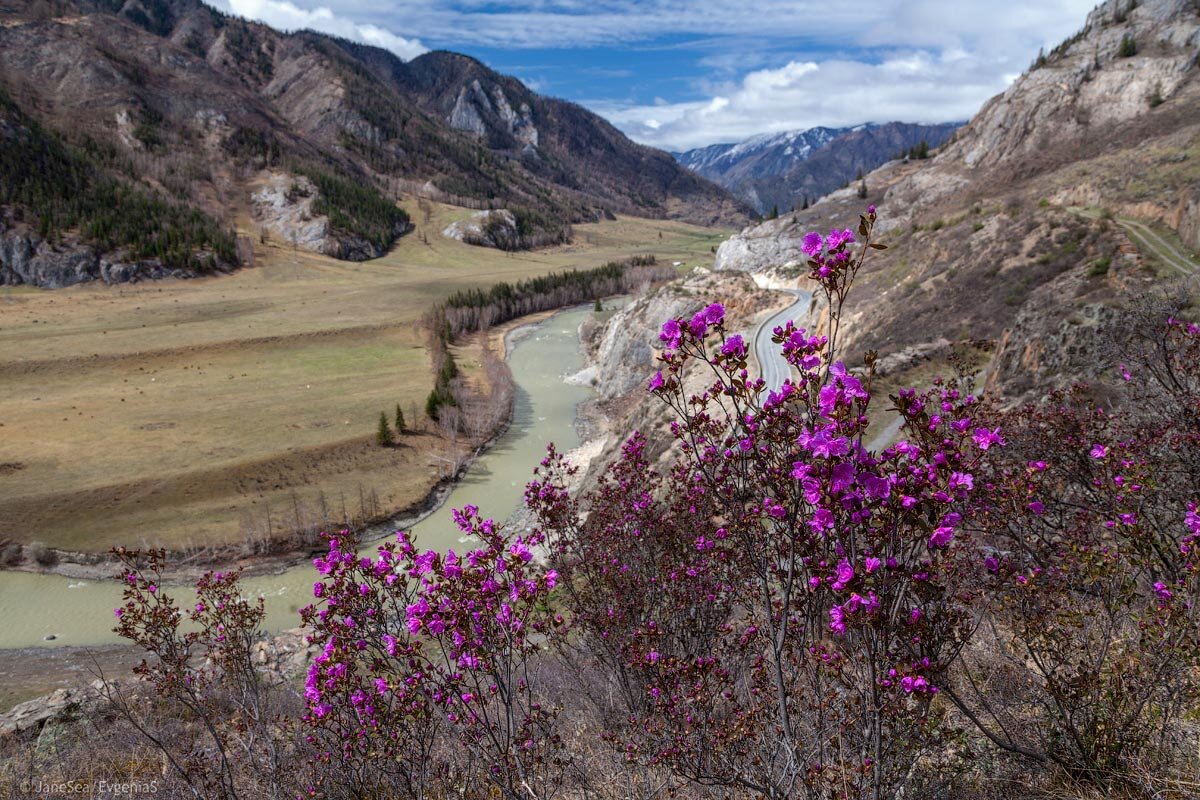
383,437
400,426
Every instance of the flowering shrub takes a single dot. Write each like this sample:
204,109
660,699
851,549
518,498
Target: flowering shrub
200,663
414,643
1092,568
781,616
771,610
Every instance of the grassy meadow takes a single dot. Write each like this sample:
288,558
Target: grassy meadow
186,413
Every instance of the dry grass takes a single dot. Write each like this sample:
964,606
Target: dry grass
177,412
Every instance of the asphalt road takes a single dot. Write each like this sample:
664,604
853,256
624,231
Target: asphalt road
774,369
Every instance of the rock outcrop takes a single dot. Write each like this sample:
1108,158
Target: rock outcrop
283,657
27,259
497,228
1011,235
773,244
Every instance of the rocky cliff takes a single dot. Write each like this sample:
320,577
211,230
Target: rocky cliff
1023,232
199,109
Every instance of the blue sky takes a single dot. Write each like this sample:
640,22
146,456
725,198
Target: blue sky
686,73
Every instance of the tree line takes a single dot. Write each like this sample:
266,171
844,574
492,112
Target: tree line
472,310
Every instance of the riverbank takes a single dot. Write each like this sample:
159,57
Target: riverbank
282,552
48,610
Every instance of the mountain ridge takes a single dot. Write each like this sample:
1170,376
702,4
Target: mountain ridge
782,170
201,107
1017,233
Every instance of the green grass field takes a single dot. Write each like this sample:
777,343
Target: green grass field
178,412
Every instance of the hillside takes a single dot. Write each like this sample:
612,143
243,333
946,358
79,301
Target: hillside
1034,232
306,137
782,171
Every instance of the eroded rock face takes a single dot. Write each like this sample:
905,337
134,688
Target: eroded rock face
26,259
1091,83
474,109
284,206
625,358
496,228
773,244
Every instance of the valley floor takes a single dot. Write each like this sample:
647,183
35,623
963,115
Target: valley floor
191,413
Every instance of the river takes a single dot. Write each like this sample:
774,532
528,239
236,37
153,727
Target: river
80,612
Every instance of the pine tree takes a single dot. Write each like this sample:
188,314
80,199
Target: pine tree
805,207
862,189
597,307
383,437
400,426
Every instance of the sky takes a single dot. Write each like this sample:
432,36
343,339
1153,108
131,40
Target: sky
679,74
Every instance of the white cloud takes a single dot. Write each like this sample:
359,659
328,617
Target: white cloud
771,66
288,16
913,87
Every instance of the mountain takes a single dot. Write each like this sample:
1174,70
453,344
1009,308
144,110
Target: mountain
307,135
1069,201
782,170
763,156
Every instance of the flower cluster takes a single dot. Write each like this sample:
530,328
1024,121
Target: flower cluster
415,643
778,555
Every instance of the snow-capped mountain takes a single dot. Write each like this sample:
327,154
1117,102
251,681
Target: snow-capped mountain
782,169
776,152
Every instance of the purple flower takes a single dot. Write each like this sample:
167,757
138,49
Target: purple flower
837,238
714,314
734,346
519,550
845,574
812,243
837,620
671,335
871,564
962,480
1162,591
941,537
985,438
656,382
1099,451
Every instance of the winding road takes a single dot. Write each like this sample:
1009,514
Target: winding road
774,369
